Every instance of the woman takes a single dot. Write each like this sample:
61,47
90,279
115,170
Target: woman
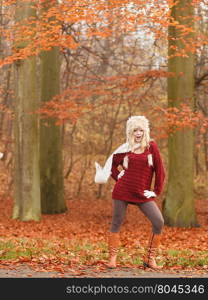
140,159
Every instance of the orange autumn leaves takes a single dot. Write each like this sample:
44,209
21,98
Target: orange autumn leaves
77,239
60,24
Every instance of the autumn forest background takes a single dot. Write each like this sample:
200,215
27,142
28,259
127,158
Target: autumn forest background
72,72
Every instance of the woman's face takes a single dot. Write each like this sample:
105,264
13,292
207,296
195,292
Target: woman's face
138,134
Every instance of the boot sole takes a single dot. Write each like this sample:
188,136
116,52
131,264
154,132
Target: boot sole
110,267
146,265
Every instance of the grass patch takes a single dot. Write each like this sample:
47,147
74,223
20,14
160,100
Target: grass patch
16,248
187,258
84,252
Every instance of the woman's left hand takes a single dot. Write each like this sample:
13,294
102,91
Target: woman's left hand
149,194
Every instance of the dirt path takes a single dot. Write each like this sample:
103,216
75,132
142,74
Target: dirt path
97,283
25,271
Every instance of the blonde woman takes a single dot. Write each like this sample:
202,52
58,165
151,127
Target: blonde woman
140,160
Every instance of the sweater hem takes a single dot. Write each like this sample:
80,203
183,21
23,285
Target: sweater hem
133,201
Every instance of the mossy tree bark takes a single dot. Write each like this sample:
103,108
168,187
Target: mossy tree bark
26,133
51,163
179,206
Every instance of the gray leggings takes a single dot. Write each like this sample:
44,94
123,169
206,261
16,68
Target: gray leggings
149,209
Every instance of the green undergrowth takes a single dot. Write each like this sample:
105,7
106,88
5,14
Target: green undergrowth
186,258
84,252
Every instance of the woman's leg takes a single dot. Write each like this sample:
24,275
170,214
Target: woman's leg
119,210
153,213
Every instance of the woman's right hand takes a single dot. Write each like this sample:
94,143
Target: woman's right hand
121,174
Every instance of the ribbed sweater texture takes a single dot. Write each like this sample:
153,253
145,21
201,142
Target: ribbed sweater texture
138,176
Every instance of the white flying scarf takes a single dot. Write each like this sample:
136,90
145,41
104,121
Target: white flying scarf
102,174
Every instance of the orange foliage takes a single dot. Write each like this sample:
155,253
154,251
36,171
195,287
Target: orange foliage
178,118
69,106
52,27
82,224
47,30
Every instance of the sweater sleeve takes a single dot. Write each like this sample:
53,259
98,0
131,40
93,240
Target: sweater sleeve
159,170
117,160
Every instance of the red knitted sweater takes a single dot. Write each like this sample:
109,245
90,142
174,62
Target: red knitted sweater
138,176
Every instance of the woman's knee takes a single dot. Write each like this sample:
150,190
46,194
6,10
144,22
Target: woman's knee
115,227
158,225
118,215
116,222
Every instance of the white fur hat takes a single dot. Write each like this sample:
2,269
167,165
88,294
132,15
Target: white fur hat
135,122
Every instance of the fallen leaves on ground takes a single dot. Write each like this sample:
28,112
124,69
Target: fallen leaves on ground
76,241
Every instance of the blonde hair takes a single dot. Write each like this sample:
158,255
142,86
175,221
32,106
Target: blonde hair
133,123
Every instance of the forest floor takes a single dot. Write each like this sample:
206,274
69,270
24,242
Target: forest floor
74,244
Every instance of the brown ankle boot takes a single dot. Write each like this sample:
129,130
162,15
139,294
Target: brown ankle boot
113,244
149,259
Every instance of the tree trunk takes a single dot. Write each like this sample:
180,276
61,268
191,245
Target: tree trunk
205,140
178,207
51,164
26,149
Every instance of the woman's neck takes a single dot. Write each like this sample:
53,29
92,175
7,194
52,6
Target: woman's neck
137,148
138,151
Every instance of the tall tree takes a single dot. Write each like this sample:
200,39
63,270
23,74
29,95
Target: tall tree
26,150
178,207
51,163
